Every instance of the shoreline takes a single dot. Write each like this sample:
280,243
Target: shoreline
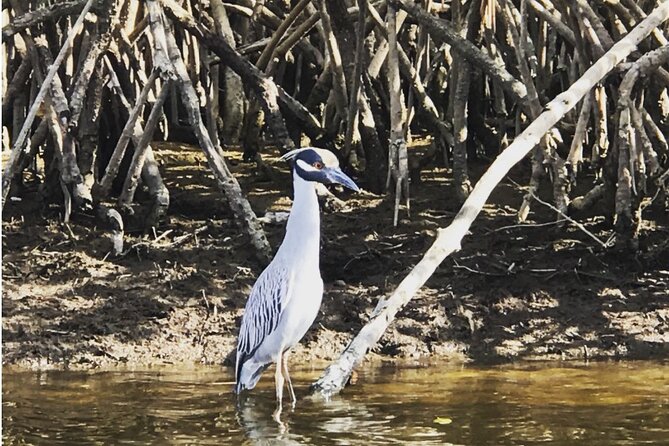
177,295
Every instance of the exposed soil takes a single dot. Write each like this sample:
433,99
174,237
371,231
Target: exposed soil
534,291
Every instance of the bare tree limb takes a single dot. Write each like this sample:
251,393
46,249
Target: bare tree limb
448,240
20,141
441,30
240,206
51,12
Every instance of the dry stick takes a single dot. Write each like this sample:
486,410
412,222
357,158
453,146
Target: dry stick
57,134
575,223
623,21
150,172
70,173
448,240
441,31
421,58
627,215
135,169
17,83
381,53
374,151
90,71
407,69
624,197
398,168
129,130
655,133
265,89
553,17
600,107
161,59
138,30
575,157
211,74
460,99
267,64
493,50
268,53
296,36
639,15
596,23
87,66
422,100
44,88
191,51
338,79
36,140
312,54
648,152
42,57
249,48
89,138
234,97
240,206
354,98
123,43
545,152
52,12
238,9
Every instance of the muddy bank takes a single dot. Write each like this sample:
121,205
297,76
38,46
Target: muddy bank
176,296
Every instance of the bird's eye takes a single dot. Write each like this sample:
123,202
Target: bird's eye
318,165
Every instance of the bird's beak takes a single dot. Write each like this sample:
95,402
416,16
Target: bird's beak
335,175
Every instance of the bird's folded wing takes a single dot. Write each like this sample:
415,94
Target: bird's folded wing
268,298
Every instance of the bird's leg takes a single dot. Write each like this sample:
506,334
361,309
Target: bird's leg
278,382
290,384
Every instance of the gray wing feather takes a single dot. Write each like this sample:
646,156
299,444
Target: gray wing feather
263,311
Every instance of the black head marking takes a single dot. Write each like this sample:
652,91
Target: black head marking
318,165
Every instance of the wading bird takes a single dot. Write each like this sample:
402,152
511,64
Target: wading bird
286,297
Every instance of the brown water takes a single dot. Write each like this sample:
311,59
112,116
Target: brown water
593,404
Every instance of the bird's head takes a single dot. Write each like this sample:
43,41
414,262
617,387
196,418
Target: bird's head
319,165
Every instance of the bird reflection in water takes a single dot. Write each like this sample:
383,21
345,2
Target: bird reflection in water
254,415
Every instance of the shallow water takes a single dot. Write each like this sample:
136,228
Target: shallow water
567,403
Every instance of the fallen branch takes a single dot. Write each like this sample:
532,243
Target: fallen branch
448,240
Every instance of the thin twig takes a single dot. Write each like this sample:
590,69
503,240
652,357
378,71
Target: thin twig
526,225
580,226
476,271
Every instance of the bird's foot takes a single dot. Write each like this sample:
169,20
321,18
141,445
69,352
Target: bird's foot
277,414
277,417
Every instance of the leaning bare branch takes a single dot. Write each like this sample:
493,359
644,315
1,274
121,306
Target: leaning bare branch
448,240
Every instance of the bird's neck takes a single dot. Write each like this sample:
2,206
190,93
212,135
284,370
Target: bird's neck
303,232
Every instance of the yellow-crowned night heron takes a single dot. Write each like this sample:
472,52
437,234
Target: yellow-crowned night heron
286,297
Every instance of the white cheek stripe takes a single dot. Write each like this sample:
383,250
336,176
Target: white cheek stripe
306,167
